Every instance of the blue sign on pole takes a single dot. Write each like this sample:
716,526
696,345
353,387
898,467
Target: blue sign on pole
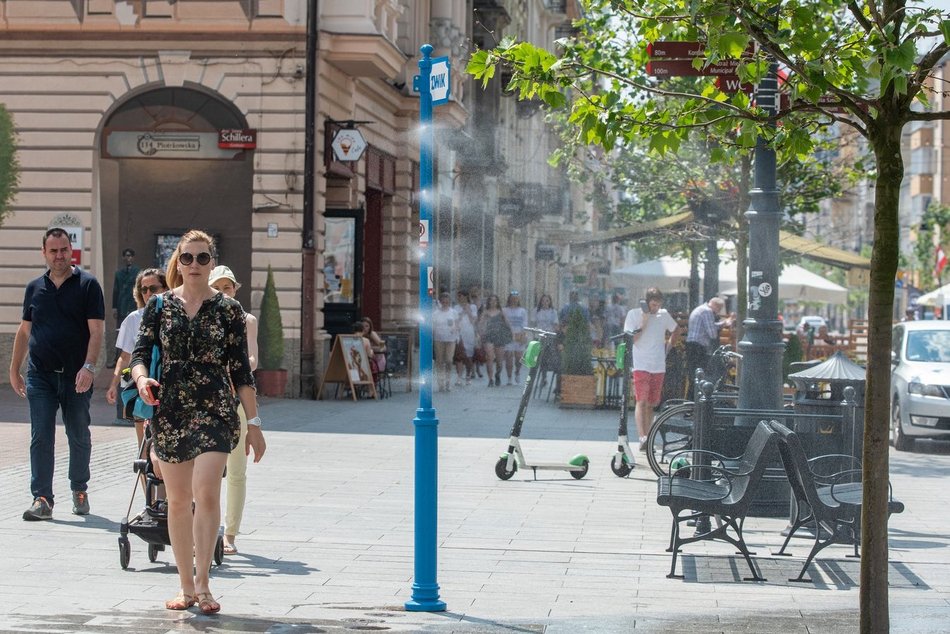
425,587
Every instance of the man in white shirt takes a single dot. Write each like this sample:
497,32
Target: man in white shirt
655,333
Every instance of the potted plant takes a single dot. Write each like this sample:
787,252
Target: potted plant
578,384
270,376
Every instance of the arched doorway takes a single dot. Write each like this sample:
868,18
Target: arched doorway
165,167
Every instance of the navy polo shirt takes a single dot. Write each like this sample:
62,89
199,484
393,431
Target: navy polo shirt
59,332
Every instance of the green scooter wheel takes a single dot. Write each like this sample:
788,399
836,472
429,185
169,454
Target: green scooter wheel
580,473
501,468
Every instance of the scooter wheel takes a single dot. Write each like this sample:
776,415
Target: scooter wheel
621,470
501,469
577,475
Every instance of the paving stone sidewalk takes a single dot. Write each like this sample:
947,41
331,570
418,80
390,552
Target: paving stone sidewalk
327,539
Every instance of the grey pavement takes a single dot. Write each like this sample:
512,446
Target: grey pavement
327,538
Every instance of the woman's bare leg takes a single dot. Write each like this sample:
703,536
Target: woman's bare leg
178,478
206,484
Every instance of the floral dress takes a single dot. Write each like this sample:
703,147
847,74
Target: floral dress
201,359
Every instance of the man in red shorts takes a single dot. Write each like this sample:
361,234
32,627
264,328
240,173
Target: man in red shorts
656,333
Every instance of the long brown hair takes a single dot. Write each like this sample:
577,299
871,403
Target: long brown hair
172,276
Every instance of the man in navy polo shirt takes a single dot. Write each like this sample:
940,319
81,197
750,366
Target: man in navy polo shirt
63,325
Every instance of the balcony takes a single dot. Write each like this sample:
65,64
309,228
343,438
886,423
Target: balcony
358,37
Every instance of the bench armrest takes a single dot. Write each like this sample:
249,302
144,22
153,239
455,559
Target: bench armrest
683,472
836,480
850,462
717,459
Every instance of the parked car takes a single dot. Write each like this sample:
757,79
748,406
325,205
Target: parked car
920,382
813,321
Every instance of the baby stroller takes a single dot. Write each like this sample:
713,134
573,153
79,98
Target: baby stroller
151,524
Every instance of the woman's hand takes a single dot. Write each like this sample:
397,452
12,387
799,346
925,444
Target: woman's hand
255,440
111,395
148,390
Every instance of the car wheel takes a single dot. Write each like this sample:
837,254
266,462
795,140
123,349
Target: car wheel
898,438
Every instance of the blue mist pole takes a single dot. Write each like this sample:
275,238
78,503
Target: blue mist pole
425,588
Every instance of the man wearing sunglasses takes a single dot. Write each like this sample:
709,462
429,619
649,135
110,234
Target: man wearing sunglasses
62,327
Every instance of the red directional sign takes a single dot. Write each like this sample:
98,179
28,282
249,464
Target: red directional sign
684,50
675,50
684,68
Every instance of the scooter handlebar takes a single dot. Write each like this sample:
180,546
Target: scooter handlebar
542,333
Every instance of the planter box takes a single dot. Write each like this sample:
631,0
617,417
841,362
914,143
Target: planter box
271,382
578,391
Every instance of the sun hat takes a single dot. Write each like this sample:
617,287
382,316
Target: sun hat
222,272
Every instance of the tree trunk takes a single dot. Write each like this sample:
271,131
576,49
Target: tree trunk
885,140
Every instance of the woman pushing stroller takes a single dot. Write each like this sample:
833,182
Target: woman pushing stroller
203,341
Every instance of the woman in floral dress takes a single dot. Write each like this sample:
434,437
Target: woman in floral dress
203,341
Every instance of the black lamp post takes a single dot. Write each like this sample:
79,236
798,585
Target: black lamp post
760,379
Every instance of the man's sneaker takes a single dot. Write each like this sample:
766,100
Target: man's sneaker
80,503
41,510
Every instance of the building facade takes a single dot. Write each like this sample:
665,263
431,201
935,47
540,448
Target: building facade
139,119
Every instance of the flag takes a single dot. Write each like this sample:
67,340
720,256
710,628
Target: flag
941,261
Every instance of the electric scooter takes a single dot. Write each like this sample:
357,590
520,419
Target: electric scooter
623,461
514,459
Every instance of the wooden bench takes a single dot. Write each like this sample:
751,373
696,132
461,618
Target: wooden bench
715,491
829,504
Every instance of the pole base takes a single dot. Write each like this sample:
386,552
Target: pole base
425,606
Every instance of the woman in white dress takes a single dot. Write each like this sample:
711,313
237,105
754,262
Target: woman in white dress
468,338
517,317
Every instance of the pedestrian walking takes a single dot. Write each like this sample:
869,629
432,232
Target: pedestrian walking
702,337
224,281
62,326
517,317
468,339
496,335
655,333
202,336
445,334
149,282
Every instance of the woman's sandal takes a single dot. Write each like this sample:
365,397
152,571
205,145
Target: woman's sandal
181,602
207,604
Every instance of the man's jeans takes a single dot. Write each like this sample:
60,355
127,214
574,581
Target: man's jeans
48,392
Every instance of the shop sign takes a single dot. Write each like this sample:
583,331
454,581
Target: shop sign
348,144
167,145
236,139
71,225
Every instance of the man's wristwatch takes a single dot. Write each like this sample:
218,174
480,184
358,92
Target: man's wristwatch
90,367
254,422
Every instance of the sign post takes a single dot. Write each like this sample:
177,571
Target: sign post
432,84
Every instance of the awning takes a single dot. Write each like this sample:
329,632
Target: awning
627,233
810,249
822,252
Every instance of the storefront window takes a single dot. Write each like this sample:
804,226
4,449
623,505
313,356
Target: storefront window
340,260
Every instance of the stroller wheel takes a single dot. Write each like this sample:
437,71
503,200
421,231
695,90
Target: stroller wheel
153,552
125,552
219,550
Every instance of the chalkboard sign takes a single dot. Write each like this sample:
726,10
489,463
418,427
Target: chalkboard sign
398,353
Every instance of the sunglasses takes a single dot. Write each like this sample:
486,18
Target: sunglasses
186,258
154,288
